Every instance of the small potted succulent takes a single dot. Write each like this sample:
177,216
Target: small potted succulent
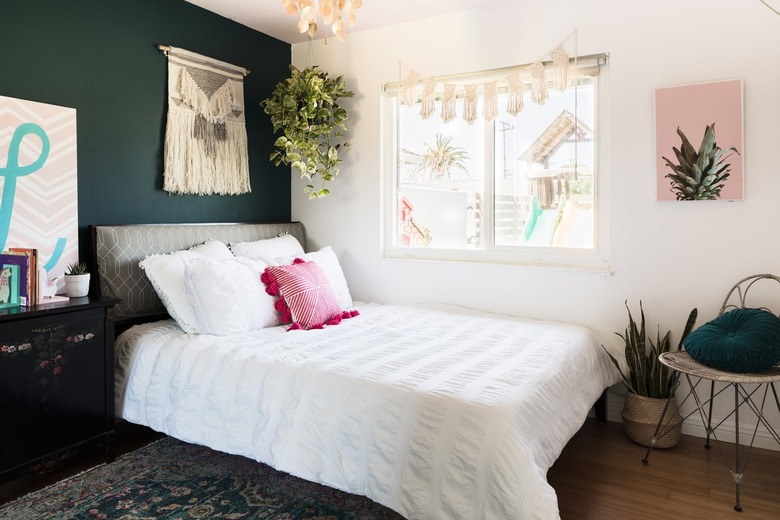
76,280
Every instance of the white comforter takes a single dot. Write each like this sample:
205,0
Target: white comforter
436,413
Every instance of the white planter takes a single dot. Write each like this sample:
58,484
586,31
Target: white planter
77,285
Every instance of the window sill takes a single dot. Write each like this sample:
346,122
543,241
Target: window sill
545,258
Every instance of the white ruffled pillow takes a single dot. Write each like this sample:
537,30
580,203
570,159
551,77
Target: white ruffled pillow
227,296
285,245
166,274
328,261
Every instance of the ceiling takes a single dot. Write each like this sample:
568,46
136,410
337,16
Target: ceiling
269,17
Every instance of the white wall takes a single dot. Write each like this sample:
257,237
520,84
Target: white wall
672,256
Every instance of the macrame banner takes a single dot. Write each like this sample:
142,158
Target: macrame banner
205,135
426,91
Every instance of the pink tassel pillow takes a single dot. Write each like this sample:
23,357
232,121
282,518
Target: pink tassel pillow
306,299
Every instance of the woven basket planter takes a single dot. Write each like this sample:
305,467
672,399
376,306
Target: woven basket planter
640,419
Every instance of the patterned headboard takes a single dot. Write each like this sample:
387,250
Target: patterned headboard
117,250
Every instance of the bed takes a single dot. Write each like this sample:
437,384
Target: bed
437,412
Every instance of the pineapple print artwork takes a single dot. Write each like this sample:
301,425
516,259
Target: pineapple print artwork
699,175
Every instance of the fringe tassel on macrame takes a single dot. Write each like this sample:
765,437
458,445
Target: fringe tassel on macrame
204,166
490,101
539,92
560,61
428,104
470,104
516,90
448,112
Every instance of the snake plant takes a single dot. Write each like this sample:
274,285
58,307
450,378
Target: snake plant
700,175
647,376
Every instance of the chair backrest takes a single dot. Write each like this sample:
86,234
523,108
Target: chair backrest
737,295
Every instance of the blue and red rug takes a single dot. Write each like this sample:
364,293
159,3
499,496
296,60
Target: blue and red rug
170,479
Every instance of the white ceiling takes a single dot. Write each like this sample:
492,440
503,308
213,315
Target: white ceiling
269,17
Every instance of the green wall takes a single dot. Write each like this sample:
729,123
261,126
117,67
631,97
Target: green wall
101,58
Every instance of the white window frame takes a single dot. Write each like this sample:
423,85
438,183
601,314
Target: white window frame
595,259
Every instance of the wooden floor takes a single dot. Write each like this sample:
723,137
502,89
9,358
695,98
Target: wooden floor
129,437
599,476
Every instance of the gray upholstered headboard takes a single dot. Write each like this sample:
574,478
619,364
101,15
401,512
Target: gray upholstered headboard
117,250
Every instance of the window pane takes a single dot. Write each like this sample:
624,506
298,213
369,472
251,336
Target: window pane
511,186
440,181
544,171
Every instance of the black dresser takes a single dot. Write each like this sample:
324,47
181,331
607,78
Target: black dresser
56,383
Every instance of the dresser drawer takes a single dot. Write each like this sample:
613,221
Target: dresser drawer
55,384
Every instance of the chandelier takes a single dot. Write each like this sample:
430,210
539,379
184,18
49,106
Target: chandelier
332,13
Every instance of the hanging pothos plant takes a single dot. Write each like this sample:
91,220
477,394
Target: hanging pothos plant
305,107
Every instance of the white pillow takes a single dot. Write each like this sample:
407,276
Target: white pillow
166,274
213,249
285,245
227,296
328,261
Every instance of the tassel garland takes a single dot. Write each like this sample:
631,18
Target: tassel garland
516,90
410,86
539,92
448,103
560,61
428,105
490,103
470,104
532,77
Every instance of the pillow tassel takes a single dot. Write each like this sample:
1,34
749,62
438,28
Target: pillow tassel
294,326
335,320
271,287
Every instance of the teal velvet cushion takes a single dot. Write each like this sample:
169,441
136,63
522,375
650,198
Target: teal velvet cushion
741,340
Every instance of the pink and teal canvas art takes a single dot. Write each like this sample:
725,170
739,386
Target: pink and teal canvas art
38,181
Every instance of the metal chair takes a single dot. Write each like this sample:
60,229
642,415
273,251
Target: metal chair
754,397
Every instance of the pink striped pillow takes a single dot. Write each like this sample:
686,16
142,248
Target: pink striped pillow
306,299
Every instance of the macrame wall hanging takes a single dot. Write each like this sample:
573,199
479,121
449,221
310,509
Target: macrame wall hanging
427,91
205,135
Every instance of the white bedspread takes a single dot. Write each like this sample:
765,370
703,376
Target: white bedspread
438,414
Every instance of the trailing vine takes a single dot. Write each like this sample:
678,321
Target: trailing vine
305,107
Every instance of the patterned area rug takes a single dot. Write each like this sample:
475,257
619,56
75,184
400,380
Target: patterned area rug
170,479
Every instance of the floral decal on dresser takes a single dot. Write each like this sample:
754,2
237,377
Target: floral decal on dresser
15,349
51,351
50,346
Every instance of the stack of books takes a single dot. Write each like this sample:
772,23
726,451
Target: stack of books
21,278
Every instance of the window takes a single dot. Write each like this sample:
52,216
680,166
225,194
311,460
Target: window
523,188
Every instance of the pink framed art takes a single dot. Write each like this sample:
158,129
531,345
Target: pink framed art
692,108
